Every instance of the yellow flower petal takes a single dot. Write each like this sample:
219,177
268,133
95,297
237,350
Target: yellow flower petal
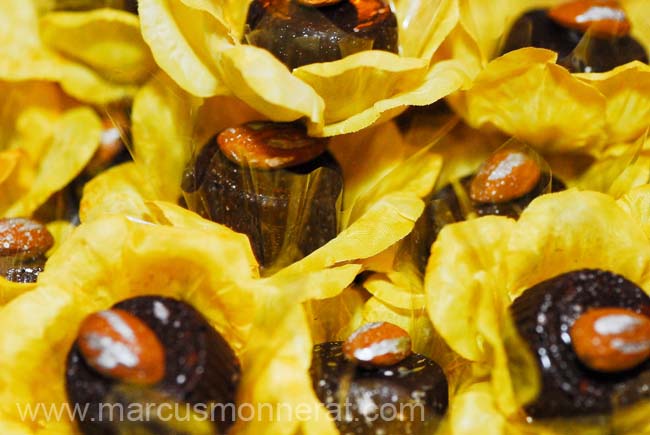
198,44
525,94
181,49
572,230
627,92
121,190
463,279
264,83
553,110
75,138
478,267
107,40
27,58
102,263
10,290
366,236
166,121
162,122
354,84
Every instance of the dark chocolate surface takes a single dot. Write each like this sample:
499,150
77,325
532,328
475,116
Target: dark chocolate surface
286,213
299,35
365,400
200,368
544,315
537,29
24,274
444,208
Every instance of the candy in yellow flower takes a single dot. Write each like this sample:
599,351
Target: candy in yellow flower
115,259
478,268
214,48
97,56
528,94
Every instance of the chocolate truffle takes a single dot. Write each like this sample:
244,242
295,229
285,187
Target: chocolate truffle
509,180
199,368
545,314
367,400
299,34
541,28
272,183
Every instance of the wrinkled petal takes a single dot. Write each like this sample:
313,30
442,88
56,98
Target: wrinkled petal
528,96
525,94
75,137
108,40
479,266
197,43
27,58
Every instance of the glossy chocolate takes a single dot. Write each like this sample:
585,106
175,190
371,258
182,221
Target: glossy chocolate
445,207
286,213
537,29
300,35
544,315
358,396
200,367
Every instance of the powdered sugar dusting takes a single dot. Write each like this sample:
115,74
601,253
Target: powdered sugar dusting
505,167
364,328
601,13
384,347
631,347
161,312
615,324
112,352
119,325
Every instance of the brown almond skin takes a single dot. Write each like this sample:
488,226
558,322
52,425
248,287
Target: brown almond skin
624,347
567,15
267,145
124,334
505,176
24,238
318,3
374,334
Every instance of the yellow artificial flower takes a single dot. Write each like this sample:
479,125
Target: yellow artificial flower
527,95
478,267
96,56
384,178
198,43
197,261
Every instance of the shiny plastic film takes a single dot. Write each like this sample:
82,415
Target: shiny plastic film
528,94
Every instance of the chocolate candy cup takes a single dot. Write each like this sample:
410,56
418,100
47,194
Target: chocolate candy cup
444,208
537,29
367,400
300,35
286,213
544,315
200,368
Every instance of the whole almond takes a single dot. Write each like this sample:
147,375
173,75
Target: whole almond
506,175
602,17
611,339
267,145
24,238
121,346
378,344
